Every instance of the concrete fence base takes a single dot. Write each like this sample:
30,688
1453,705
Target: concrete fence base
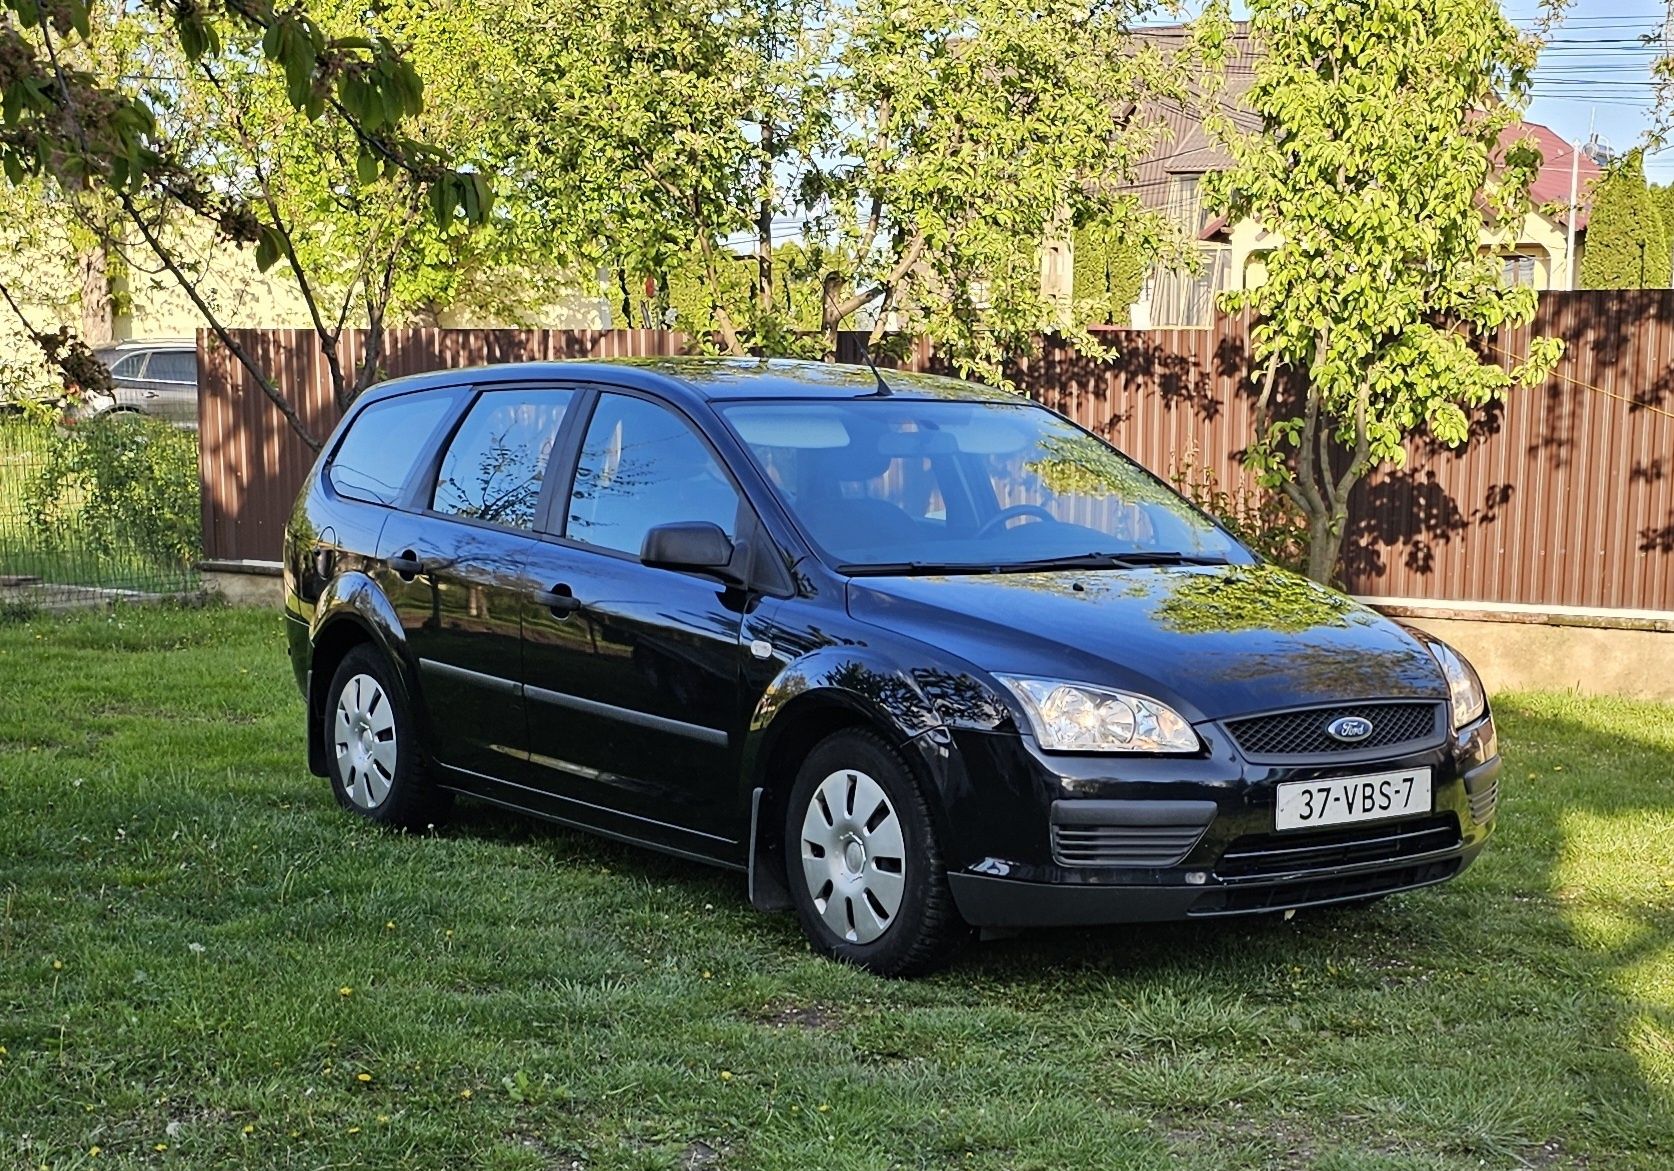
1531,648
245,583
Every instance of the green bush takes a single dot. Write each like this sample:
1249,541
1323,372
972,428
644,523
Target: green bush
1268,522
123,482
1109,274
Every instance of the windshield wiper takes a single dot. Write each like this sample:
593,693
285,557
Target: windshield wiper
906,568
1135,559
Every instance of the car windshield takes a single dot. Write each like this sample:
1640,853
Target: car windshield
901,485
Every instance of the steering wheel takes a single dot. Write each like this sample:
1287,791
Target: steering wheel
1016,510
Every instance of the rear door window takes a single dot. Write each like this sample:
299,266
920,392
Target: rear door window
496,463
384,442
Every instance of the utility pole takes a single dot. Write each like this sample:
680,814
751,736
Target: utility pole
1668,55
1574,209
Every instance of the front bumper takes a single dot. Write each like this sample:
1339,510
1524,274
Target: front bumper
1217,851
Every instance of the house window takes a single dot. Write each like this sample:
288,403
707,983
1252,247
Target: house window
1182,298
1518,270
1185,204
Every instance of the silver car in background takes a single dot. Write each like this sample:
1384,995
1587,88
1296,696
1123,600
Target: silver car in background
156,377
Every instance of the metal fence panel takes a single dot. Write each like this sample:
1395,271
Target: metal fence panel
1565,495
56,551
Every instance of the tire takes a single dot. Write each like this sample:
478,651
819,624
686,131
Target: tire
372,748
863,865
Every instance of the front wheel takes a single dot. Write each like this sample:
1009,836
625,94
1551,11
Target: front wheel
372,748
865,869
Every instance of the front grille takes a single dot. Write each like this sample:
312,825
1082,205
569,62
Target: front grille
1123,845
1303,733
1272,855
1483,802
1237,900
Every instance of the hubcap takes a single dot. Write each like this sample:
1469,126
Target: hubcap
364,739
853,856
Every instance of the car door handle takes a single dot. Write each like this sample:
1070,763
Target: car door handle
407,565
559,600
150,394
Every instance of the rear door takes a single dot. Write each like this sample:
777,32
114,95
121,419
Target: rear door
632,683
169,386
456,568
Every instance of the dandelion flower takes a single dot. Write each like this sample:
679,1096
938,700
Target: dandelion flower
249,1128
726,1075
58,965
345,991
465,1094
354,1130
363,1078
93,1151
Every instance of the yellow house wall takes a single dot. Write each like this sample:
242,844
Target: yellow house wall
1539,235
40,267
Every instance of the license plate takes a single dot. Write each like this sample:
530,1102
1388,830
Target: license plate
1335,800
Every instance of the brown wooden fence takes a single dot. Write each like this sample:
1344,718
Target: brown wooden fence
1564,497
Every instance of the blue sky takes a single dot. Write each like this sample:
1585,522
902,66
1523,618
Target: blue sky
1596,75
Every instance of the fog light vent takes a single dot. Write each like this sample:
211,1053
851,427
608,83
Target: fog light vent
1483,802
1150,834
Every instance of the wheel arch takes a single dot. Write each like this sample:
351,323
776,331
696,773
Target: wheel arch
352,611
804,706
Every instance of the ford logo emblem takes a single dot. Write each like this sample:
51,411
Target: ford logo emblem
1349,729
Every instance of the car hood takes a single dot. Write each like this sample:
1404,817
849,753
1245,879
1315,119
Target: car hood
1212,641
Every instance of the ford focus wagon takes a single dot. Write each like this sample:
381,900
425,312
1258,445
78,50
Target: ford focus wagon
920,657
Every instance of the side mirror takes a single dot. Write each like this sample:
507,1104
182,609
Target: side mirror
692,545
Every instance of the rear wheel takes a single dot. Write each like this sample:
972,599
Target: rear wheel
372,747
865,869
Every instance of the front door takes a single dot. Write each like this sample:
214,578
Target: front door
458,574
632,687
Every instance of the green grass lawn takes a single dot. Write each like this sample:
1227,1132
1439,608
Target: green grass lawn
203,963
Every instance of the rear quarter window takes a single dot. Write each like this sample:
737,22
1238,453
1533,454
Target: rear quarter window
173,366
385,441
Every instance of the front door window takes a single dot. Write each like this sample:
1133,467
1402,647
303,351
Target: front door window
642,466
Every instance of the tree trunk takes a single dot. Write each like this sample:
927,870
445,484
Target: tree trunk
831,293
1325,545
1327,528
98,306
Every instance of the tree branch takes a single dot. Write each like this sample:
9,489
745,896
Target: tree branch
723,319
858,301
220,331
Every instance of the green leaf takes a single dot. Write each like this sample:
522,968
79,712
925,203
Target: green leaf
366,168
442,201
269,248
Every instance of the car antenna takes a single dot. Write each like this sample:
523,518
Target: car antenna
883,387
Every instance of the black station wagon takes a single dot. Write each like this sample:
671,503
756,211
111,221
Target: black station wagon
919,656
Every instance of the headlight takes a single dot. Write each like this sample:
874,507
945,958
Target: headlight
1467,697
1073,717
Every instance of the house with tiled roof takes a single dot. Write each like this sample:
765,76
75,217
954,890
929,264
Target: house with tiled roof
1232,255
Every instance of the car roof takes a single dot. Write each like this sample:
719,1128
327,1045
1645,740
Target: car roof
711,379
148,343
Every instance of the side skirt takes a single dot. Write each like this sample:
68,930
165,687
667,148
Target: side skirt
572,815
